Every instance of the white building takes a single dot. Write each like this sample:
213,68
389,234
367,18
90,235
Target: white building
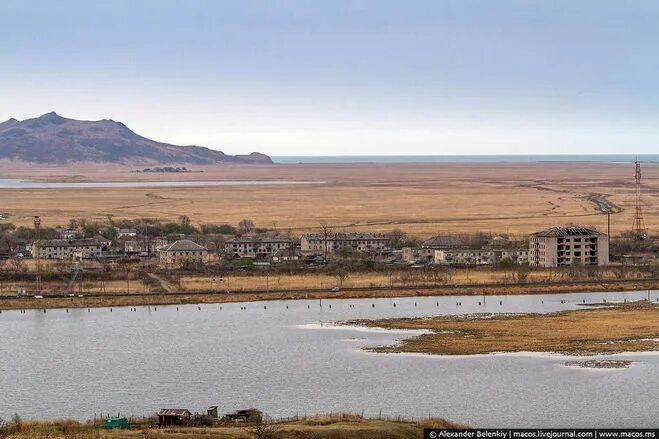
126,233
565,246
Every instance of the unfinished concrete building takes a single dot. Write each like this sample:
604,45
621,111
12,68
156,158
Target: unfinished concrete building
565,246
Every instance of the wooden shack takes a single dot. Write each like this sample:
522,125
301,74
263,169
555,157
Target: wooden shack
169,417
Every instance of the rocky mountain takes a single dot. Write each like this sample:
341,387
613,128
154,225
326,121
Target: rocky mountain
53,139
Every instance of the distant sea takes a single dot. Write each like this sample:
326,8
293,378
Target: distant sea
599,158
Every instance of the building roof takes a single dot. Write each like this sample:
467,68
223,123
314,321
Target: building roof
346,236
174,412
83,242
561,232
288,252
254,239
184,245
443,242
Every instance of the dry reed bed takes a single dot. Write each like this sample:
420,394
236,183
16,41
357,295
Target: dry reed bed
628,327
421,199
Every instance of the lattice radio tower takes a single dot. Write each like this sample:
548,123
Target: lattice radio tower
638,229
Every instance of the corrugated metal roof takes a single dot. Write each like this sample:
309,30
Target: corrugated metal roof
174,412
70,242
258,239
441,242
346,236
567,231
184,245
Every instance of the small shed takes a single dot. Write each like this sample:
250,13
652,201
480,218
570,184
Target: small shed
212,412
111,423
169,417
246,415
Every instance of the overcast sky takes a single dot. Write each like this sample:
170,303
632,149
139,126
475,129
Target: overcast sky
344,77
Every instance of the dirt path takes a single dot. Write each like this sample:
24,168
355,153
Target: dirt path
164,283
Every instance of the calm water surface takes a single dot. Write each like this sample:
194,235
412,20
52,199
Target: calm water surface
500,158
290,361
13,183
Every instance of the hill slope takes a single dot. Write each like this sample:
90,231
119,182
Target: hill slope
54,139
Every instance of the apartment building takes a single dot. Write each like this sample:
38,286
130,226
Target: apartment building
259,247
68,248
183,252
479,256
565,246
145,246
319,243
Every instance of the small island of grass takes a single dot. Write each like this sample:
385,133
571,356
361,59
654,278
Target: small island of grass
628,327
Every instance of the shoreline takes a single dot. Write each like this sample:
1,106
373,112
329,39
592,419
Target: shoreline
624,328
182,298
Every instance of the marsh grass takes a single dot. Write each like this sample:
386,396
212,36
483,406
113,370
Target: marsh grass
625,327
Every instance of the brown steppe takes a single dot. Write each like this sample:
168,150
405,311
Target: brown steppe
422,199
628,327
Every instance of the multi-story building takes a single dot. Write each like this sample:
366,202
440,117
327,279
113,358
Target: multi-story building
126,233
426,252
183,252
564,246
69,233
69,248
258,247
466,250
479,256
321,243
145,246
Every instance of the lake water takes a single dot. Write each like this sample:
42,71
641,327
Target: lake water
501,158
290,361
13,183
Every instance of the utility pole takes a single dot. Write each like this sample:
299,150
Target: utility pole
37,250
324,226
607,211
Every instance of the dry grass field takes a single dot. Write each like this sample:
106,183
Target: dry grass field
630,327
397,279
422,199
332,426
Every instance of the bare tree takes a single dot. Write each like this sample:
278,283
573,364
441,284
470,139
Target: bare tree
341,275
184,220
397,237
521,275
246,226
17,264
218,246
265,428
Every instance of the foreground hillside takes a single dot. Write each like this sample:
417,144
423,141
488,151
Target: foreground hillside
53,139
319,427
